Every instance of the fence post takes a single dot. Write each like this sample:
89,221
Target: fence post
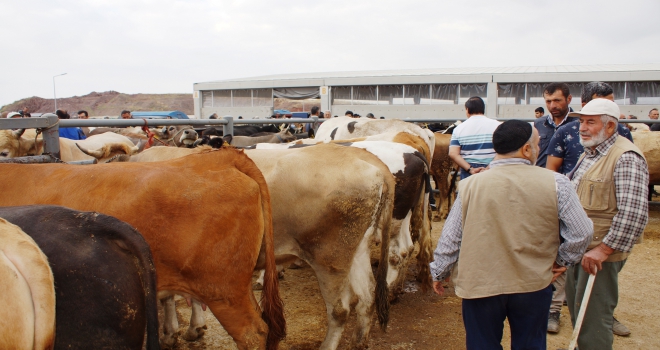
51,136
228,129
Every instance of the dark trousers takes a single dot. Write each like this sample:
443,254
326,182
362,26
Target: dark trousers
528,318
465,174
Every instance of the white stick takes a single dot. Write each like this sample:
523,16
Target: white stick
583,310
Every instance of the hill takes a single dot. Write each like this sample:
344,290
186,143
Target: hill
109,103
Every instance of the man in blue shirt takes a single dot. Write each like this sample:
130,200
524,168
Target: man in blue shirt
557,98
69,133
564,152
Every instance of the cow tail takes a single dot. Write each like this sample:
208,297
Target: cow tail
421,230
384,220
272,305
144,262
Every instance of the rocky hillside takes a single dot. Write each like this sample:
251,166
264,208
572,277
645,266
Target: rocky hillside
109,103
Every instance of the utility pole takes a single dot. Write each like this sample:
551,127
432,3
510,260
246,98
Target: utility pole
54,94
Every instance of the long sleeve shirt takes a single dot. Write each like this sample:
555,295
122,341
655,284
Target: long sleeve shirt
631,179
575,227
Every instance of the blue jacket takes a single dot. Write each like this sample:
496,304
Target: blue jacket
547,128
72,133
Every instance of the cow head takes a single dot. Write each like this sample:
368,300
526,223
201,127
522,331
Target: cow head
14,144
109,151
180,135
286,136
213,141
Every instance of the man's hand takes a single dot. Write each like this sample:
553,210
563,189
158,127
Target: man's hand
557,271
592,261
438,288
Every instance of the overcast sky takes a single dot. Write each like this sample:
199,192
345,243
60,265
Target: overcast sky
165,46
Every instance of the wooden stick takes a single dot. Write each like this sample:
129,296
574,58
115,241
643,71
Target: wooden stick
583,310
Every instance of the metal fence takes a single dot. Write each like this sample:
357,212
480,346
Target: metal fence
49,124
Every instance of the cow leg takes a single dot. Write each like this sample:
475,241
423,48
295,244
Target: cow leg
240,317
259,283
170,324
363,286
197,322
336,294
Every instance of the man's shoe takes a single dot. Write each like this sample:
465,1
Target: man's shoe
619,329
553,322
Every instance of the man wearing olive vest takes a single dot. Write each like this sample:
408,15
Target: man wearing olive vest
503,233
611,179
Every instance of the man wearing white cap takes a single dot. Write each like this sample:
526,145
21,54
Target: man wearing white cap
611,179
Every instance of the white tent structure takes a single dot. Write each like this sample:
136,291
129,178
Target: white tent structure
512,92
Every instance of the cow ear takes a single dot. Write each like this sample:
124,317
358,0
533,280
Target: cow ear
228,138
18,133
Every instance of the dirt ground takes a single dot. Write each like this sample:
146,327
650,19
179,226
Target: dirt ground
421,320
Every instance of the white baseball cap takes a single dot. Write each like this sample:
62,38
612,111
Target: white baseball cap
13,114
599,106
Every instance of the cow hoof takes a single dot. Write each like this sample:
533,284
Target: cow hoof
257,286
168,341
194,333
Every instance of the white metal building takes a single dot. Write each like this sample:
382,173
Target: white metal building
428,93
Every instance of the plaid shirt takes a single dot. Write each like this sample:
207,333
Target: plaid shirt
575,227
631,179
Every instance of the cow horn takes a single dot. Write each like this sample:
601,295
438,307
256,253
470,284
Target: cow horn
18,133
98,154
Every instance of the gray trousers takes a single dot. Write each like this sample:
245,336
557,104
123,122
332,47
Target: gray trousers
596,332
559,294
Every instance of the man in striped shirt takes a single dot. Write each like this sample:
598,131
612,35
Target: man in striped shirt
471,145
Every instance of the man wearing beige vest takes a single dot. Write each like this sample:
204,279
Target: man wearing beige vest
512,230
611,179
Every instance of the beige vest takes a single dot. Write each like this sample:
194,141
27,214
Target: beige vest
510,231
597,193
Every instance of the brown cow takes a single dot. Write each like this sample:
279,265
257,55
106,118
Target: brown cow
441,168
27,316
205,239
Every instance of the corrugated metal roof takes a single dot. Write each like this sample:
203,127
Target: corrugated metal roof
455,71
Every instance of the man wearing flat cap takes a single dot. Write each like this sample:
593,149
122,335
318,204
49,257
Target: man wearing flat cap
611,179
503,234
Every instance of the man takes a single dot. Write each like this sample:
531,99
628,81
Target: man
612,184
126,114
489,233
557,98
69,133
653,115
471,145
84,115
348,114
564,151
539,112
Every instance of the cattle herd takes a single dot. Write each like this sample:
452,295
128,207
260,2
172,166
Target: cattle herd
90,249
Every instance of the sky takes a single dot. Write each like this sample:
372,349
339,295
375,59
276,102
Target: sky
165,46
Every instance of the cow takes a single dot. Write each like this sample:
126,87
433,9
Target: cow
27,316
410,171
241,130
283,136
179,135
206,237
649,143
106,307
347,195
344,128
441,168
101,147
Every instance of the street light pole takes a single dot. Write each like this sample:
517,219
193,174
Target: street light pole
55,95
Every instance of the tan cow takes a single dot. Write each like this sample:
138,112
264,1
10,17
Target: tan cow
101,147
649,143
205,238
27,316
